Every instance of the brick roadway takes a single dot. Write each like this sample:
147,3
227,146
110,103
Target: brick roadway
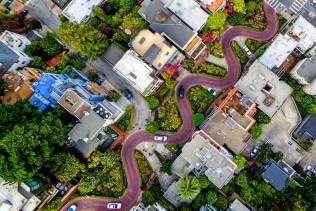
133,191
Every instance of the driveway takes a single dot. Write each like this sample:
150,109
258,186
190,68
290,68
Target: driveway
133,190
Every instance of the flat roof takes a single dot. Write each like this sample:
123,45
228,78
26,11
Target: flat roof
190,12
306,129
302,35
202,151
264,88
144,41
238,206
79,10
222,128
135,71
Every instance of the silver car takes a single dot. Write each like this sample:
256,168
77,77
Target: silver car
160,138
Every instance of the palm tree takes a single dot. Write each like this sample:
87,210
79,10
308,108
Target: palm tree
189,187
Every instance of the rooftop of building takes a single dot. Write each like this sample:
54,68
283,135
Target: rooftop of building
222,128
7,57
203,155
173,196
236,205
264,88
85,133
135,71
307,69
213,5
300,34
306,129
113,54
61,3
163,21
154,48
79,10
275,175
190,12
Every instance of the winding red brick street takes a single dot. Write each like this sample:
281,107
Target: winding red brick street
133,190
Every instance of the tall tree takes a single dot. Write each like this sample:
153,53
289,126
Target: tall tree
189,187
239,6
86,40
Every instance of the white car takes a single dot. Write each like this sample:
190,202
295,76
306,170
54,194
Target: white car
311,169
160,138
114,206
254,151
72,207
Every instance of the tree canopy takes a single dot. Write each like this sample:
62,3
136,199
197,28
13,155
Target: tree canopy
214,22
239,6
189,187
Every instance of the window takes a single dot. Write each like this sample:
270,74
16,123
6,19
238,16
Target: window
142,40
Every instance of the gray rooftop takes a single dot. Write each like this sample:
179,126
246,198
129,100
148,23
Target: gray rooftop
309,12
85,133
307,69
151,53
307,130
275,175
163,21
113,54
7,57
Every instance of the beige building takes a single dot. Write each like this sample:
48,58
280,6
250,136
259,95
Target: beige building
155,49
204,156
139,74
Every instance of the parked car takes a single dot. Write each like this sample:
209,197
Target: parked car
72,207
181,92
160,138
114,206
311,169
128,94
255,151
212,91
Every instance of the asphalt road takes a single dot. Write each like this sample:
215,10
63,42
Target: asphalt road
133,191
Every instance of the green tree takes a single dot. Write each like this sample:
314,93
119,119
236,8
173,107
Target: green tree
153,102
166,167
204,182
221,203
189,187
50,45
256,131
134,21
173,148
54,205
199,201
240,161
211,197
66,167
311,109
265,152
87,184
197,119
92,76
214,22
188,64
37,62
152,127
239,6
310,189
262,118
126,5
113,96
242,181
89,41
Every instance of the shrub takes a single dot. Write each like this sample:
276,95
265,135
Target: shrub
153,102
143,167
152,127
262,118
168,116
210,69
256,131
92,76
166,167
174,148
211,197
221,203
197,119
113,96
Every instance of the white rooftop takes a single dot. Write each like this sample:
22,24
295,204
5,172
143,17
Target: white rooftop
264,88
135,71
302,35
79,10
190,12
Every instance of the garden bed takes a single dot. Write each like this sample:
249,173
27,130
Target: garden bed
211,69
125,122
240,54
144,168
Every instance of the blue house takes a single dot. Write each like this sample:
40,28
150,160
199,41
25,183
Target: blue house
51,87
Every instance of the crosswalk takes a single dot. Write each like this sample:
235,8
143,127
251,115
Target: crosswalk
295,7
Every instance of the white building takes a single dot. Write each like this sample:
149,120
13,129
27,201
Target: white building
79,11
12,56
15,197
300,36
139,74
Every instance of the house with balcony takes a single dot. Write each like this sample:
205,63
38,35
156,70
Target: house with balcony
165,17
213,6
230,121
12,56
